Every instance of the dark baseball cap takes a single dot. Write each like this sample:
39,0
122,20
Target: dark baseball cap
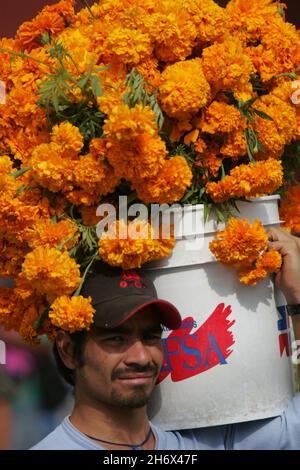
117,295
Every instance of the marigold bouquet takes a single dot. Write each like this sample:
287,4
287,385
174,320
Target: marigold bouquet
162,101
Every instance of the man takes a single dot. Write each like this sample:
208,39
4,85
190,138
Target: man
114,369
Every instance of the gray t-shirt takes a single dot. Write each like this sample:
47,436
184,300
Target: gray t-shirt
279,433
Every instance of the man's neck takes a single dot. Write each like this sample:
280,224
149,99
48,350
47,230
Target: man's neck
116,425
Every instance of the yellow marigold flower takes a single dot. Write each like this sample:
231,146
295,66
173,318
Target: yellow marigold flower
50,234
50,170
129,45
226,66
67,136
290,209
133,245
240,244
72,314
220,117
51,272
252,180
169,185
127,124
184,89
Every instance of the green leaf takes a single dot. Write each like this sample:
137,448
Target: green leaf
96,88
263,115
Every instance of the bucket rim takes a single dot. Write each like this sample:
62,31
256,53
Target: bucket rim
192,207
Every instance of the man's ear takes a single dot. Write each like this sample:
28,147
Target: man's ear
65,348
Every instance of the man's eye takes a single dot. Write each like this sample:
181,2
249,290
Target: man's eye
153,337
115,339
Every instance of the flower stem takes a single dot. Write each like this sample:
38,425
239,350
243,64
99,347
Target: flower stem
77,292
88,7
25,56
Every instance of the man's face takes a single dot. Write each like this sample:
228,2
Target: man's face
121,365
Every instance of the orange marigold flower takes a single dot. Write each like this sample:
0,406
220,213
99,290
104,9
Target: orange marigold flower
240,244
184,89
132,245
72,314
235,145
67,136
98,147
126,123
220,117
252,180
169,185
50,170
248,18
130,46
30,32
210,160
11,257
10,309
51,272
270,261
279,51
51,234
251,276
290,209
16,218
226,66
171,25
142,157
275,134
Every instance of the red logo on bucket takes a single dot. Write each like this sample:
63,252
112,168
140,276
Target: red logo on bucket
188,354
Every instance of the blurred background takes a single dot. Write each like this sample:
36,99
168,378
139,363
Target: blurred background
33,398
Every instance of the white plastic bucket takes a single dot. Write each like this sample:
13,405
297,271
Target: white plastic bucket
230,360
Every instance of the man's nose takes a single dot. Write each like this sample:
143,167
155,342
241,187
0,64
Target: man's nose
138,353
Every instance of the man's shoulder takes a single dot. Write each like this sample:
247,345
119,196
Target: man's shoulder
65,437
56,440
190,439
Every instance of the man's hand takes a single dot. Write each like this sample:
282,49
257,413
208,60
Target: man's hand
288,278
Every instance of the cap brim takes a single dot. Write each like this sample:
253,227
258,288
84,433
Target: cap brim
115,313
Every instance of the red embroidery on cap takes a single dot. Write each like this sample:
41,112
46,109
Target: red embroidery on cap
131,278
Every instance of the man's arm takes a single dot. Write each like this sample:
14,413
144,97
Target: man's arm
288,278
